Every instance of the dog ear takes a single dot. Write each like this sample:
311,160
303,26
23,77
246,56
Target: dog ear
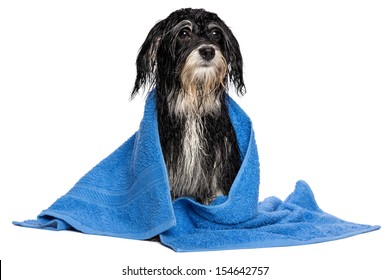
235,72
146,60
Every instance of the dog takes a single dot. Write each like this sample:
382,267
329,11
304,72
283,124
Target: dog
191,58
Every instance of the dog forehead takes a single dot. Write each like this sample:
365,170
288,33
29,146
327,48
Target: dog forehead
200,19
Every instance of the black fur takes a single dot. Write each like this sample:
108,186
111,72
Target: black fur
159,64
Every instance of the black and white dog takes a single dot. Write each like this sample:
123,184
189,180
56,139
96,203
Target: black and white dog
191,58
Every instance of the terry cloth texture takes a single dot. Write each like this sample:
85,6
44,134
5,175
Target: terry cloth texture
127,195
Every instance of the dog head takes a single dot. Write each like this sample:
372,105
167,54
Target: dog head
192,50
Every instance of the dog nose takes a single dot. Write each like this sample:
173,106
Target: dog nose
207,53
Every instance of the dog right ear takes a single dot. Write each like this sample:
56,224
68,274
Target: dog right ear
146,61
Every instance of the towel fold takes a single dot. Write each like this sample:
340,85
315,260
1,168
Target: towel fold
127,195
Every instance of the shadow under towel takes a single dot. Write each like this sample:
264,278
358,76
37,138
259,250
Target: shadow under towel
127,195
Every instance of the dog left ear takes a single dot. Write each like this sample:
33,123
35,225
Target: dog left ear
235,62
146,60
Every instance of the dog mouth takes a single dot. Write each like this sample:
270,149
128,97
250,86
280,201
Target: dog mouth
206,64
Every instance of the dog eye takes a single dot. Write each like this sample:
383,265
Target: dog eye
216,34
184,33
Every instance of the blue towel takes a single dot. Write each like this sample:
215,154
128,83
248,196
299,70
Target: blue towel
127,195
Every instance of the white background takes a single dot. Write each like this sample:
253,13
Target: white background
317,75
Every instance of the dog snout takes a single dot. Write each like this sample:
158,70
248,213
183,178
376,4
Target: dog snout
207,53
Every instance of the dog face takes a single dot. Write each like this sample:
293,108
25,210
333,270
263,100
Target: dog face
191,51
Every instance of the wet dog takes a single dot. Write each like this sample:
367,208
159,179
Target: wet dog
192,58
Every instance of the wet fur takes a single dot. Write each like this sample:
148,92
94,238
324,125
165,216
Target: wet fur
197,138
